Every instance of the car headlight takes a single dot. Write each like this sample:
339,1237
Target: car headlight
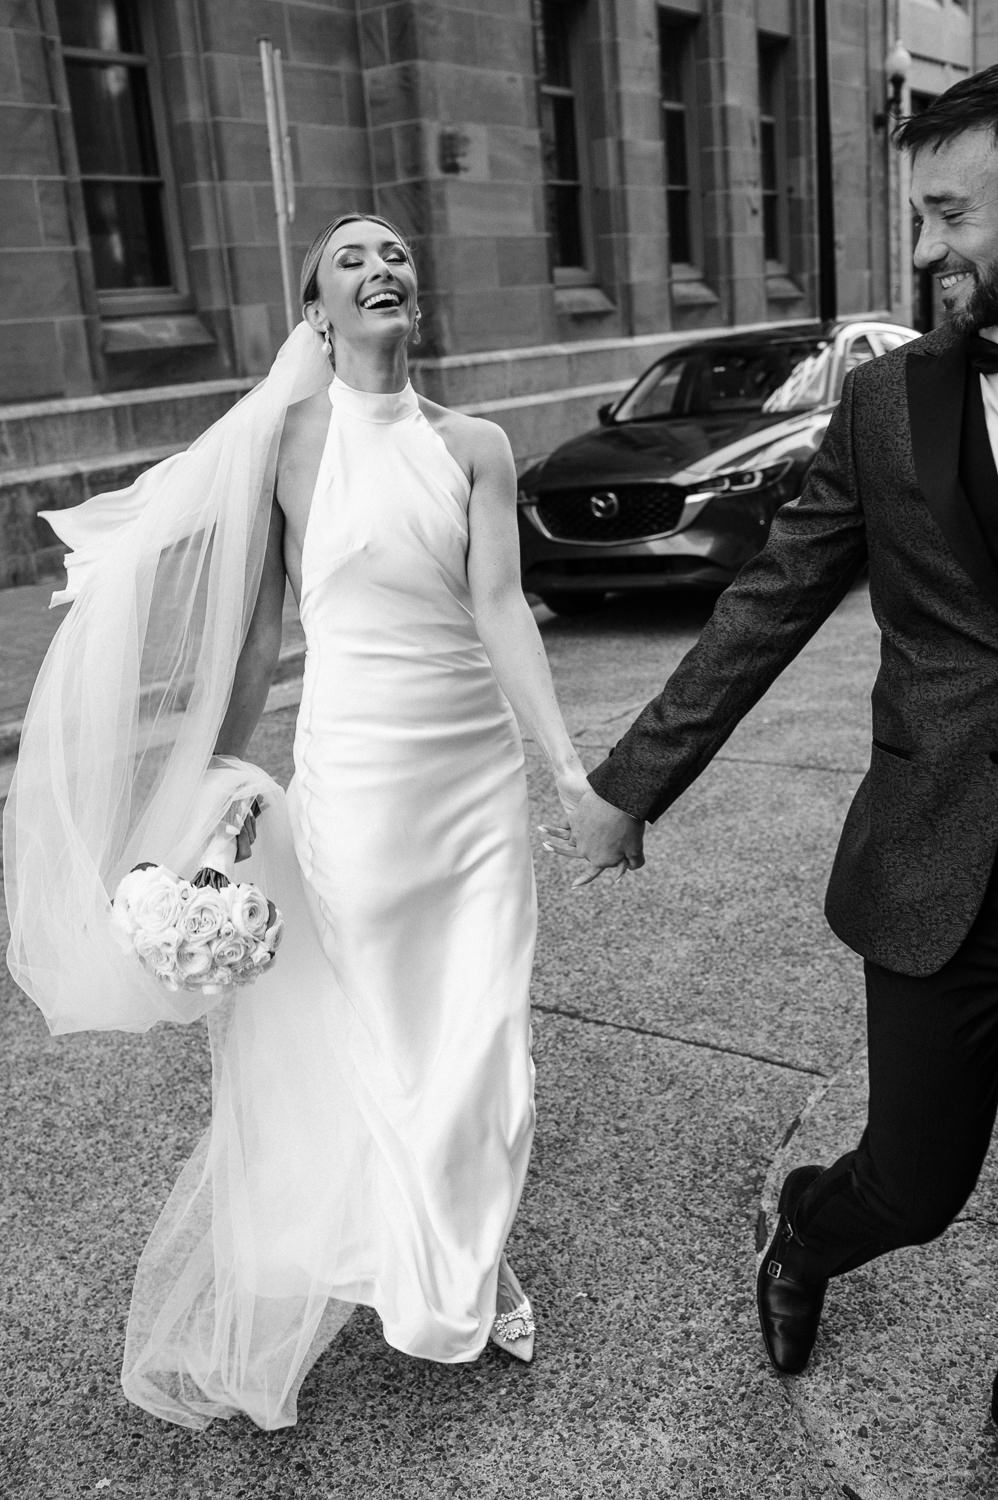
741,481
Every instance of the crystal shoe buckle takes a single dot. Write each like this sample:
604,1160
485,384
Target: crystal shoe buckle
518,1324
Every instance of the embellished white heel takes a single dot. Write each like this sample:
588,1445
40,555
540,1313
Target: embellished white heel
513,1329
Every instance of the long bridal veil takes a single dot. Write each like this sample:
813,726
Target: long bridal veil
118,737
231,1302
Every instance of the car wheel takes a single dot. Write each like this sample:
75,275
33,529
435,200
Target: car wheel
573,602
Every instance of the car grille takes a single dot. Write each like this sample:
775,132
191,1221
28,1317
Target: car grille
625,513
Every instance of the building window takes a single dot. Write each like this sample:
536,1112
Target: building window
676,43
557,39
773,149
119,149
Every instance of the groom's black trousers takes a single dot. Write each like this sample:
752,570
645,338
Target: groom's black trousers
933,1098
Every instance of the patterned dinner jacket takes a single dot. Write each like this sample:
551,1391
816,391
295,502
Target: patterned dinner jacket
921,835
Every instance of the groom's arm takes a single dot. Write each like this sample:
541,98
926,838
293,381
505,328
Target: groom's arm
815,550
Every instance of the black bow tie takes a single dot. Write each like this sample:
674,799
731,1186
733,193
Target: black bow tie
982,354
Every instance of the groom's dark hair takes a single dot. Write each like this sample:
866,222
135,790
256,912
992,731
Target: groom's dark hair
971,104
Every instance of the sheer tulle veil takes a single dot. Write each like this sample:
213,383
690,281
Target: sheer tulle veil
245,1278
118,738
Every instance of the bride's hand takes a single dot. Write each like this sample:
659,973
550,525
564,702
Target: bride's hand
245,820
240,823
571,785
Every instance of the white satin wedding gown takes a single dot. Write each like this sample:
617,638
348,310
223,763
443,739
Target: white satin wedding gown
373,1094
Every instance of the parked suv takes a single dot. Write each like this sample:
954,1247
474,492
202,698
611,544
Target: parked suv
679,483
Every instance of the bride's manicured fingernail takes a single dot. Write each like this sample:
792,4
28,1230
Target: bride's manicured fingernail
548,847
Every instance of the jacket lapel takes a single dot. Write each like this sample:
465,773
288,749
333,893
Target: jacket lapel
935,377
935,407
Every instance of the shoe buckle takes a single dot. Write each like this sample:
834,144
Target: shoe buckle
775,1269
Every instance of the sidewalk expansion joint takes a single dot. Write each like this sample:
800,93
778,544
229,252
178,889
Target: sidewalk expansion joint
977,1220
571,1014
790,765
600,741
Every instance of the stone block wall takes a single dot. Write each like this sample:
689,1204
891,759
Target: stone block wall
210,58
428,111
60,452
43,332
55,341
451,100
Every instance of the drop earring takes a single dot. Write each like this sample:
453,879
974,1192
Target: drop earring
416,334
327,342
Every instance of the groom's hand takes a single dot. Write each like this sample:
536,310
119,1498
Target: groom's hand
602,835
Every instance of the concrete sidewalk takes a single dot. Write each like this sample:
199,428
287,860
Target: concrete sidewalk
697,1035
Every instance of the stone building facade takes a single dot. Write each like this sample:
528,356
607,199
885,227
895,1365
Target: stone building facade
584,183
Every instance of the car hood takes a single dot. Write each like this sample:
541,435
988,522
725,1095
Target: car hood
660,450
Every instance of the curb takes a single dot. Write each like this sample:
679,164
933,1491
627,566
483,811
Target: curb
289,664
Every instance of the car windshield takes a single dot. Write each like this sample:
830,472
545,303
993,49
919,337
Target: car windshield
699,382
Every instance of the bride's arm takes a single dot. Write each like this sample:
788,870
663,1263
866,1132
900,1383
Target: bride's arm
505,624
258,658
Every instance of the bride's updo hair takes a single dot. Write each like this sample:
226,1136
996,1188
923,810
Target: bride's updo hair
313,255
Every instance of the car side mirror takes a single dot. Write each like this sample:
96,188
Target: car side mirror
603,413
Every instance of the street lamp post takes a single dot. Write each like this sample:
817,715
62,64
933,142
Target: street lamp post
827,290
897,65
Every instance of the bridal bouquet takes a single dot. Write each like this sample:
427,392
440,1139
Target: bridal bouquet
204,934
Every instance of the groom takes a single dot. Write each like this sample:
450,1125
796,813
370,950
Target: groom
907,482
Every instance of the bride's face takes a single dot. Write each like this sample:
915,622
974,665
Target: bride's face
367,285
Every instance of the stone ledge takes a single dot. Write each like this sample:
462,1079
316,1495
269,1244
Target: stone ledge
513,374
65,405
28,548
38,433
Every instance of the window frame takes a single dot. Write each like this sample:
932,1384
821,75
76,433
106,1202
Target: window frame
583,275
122,302
772,51
686,29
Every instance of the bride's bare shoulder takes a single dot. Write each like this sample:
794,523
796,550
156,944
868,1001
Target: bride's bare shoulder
475,443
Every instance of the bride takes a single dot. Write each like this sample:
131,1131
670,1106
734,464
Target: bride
372,1102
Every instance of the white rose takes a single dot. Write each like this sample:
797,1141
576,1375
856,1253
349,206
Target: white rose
157,904
194,962
129,888
230,952
250,911
202,916
157,951
131,884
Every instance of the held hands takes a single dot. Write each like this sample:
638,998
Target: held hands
598,833
572,787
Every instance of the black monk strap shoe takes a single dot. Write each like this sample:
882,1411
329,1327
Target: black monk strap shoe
789,1304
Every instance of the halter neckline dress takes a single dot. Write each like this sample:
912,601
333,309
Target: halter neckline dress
372,1126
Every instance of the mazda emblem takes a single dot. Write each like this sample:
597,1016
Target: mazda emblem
605,505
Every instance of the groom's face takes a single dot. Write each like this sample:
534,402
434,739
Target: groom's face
954,192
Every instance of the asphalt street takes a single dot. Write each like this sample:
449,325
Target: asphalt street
698,1030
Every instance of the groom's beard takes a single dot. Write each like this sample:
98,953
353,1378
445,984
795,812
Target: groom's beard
981,308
